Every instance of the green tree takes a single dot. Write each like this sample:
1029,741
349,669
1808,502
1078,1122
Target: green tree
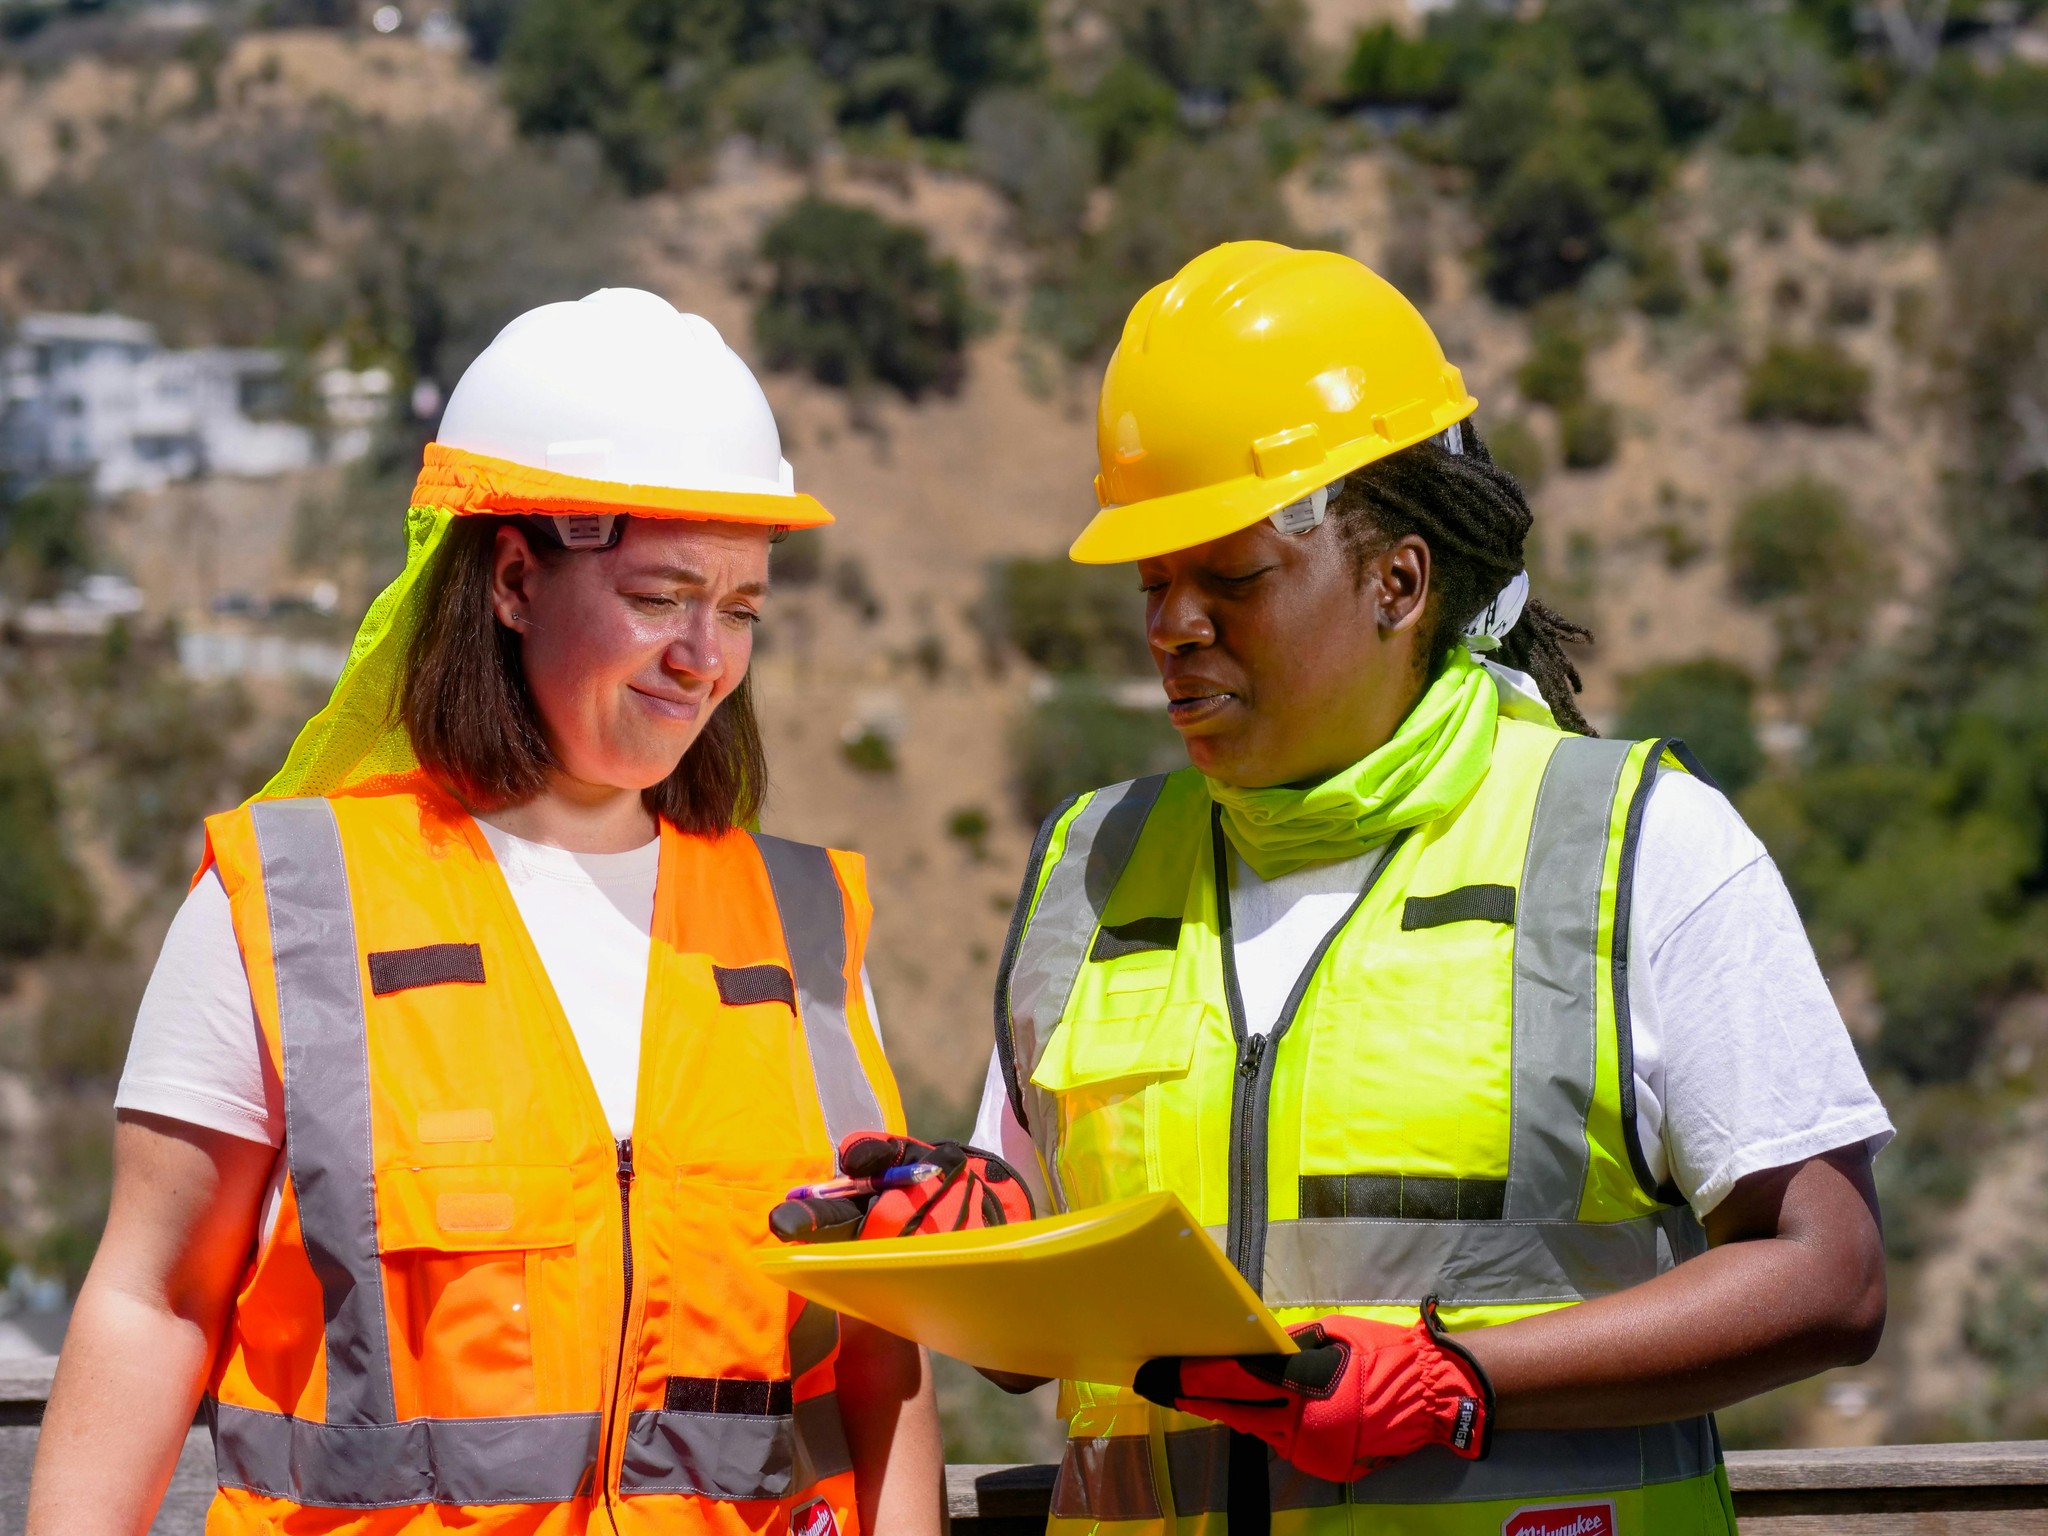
1082,739
1708,703
854,299
1918,834
44,542
455,237
1039,157
1069,618
44,901
1129,105
1174,202
1213,47
1796,548
1389,67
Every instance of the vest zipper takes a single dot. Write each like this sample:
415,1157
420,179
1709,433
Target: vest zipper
1252,1092
1248,1509
625,1322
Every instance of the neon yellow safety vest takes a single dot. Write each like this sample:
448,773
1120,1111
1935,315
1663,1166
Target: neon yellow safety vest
1445,1107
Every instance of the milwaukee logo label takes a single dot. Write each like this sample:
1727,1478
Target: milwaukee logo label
1562,1520
814,1519
1461,1432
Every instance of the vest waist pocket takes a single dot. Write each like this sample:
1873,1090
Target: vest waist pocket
459,1246
1143,1043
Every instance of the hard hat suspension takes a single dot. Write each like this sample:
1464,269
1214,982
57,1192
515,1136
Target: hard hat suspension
1300,516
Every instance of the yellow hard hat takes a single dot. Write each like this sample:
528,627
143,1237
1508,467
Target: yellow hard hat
1257,374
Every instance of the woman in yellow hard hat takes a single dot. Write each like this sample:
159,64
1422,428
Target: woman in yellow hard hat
489,1035
1492,1051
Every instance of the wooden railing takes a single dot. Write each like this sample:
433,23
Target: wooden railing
1989,1489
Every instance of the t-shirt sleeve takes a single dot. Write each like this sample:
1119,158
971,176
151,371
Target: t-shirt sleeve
197,1054
1742,1060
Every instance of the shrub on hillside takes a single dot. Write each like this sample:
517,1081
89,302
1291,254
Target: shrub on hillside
641,79
784,106
1717,266
1558,159
455,236
170,751
1554,373
1069,618
44,901
1174,202
1798,549
1817,384
81,1033
1081,739
1390,68
584,66
1129,106
854,299
1914,837
43,538
1766,129
1517,449
1657,281
1798,539
1213,48
1035,154
1588,433
1710,704
1847,220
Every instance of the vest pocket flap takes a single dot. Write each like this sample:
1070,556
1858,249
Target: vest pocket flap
480,1209
1159,1044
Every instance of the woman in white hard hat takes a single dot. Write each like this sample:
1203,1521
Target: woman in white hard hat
488,1036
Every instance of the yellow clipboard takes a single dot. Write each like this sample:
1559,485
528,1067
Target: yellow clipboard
1089,1296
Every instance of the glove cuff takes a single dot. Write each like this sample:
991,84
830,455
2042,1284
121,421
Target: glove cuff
1475,1391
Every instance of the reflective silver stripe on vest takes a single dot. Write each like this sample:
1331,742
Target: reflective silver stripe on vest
1108,1477
735,1456
1198,1470
814,927
1557,978
1369,1262
1546,1463
327,1094
1100,840
538,1459
1533,1464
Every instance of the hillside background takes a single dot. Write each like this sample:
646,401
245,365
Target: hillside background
1751,294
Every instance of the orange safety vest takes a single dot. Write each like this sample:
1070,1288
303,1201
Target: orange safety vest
475,1308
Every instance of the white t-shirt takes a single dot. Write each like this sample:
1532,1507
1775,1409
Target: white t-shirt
1741,1059
197,1054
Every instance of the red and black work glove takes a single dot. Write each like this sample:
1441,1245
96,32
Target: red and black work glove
1359,1395
971,1189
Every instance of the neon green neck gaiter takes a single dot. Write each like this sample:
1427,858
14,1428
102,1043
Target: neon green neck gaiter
1436,758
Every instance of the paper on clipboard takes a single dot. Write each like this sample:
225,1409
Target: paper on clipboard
1089,1296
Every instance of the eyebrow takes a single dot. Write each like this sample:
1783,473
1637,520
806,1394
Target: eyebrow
683,576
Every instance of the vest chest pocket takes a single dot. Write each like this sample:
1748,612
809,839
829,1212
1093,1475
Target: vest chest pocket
460,1246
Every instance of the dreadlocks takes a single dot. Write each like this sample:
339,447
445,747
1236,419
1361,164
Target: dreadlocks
1474,518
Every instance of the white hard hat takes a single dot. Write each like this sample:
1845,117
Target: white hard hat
617,403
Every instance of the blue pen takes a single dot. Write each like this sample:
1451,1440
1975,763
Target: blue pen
902,1176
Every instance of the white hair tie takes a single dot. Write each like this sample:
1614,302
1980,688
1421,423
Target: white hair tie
1499,617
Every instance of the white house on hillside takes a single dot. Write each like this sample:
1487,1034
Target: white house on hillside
97,394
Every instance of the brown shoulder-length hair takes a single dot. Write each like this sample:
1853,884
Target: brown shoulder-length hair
472,720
